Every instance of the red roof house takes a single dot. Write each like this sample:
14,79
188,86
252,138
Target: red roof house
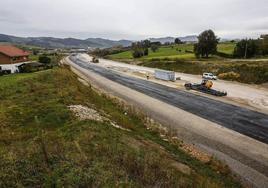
11,54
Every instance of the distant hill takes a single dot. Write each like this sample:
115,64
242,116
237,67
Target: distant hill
190,38
51,42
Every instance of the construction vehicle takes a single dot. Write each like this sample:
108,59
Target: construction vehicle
205,87
95,60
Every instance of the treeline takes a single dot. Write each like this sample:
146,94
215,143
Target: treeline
246,48
109,51
141,48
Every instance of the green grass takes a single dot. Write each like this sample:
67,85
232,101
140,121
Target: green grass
42,144
173,52
227,48
163,52
33,57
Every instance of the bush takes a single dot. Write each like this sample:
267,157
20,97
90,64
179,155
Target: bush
44,59
137,53
229,76
224,55
3,72
188,51
139,49
146,51
154,48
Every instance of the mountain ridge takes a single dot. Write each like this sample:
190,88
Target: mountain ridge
189,38
53,42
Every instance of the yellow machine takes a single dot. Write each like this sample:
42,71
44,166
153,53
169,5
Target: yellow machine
205,87
207,83
95,60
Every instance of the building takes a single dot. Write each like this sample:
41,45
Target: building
11,57
11,54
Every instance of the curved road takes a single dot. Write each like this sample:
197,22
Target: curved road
242,120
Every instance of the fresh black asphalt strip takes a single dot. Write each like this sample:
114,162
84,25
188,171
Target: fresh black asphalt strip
248,122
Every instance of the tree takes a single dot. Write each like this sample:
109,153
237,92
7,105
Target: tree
140,49
156,43
154,47
145,51
177,41
246,48
146,43
44,59
35,52
167,43
207,44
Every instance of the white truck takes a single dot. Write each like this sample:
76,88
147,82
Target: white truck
209,76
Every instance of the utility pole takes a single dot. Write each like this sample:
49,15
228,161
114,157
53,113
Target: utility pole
246,50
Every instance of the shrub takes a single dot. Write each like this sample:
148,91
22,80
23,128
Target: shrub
44,59
137,53
3,72
229,76
224,55
146,51
188,51
154,47
139,49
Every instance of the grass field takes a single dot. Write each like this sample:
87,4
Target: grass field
182,51
43,144
227,48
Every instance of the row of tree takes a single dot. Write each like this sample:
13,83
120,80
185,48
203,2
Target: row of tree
246,48
207,45
141,48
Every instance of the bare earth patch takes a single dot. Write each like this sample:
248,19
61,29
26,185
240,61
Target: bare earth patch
85,113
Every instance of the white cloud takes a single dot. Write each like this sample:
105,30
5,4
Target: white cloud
135,19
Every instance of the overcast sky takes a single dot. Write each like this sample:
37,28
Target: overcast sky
133,19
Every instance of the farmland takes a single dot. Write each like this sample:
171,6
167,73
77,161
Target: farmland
181,51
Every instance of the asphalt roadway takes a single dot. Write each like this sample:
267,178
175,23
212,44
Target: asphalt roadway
248,122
